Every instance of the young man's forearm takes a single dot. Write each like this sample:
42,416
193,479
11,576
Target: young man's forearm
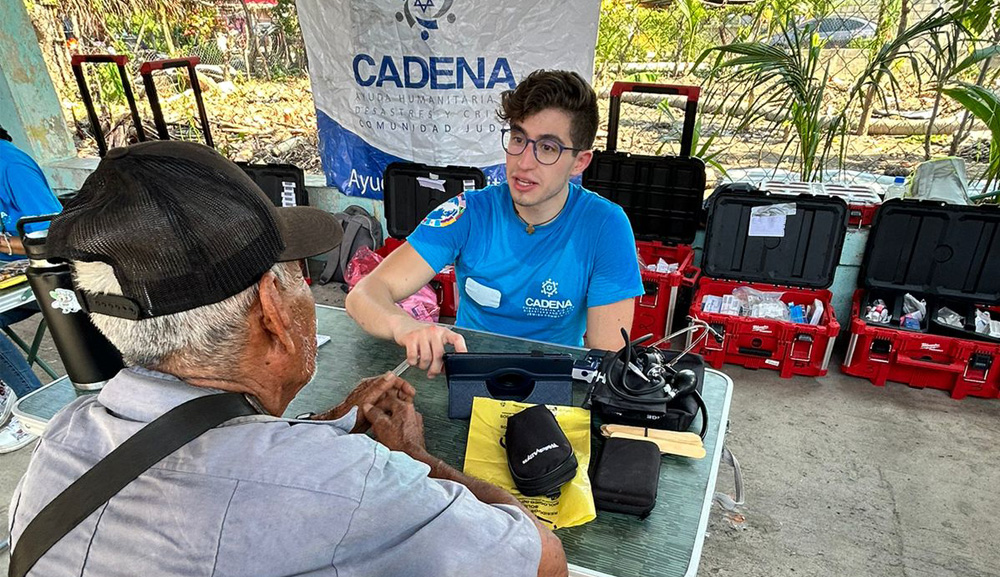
371,305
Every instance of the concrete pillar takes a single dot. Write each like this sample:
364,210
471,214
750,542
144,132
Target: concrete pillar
29,106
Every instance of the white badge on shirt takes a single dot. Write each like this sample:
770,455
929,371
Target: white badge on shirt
482,294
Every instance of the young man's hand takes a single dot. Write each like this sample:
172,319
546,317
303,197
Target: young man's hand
425,344
397,425
370,391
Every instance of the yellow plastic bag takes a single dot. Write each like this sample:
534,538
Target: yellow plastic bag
486,459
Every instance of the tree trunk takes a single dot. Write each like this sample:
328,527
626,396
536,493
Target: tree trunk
866,109
251,39
942,78
167,36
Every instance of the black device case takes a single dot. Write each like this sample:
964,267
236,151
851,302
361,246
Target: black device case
627,477
539,455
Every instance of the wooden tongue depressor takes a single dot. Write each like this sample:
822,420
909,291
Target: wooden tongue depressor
674,436
668,447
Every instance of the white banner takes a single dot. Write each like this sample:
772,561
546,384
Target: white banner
420,80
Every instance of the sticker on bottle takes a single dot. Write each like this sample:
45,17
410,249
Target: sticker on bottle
65,300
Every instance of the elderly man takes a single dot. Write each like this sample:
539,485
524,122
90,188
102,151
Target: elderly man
198,273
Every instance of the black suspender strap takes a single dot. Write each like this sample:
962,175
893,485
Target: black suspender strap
138,453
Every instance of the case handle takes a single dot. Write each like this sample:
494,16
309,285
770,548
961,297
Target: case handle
907,360
690,276
690,109
147,69
76,62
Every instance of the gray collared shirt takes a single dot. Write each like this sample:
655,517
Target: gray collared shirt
259,496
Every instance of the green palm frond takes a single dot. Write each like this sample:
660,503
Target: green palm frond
984,104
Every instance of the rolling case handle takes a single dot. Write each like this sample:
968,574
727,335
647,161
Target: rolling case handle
77,62
147,69
690,109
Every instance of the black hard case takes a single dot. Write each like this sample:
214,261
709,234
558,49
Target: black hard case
947,255
806,256
662,195
284,184
407,202
627,477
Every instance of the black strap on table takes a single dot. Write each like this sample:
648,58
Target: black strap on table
138,453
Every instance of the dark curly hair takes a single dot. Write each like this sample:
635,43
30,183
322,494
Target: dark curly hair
566,91
4,135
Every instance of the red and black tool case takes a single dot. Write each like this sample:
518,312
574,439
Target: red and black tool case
947,256
662,196
410,192
800,264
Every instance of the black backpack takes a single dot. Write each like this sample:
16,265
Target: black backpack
360,229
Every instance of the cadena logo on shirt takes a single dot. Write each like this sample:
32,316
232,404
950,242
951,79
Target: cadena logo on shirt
548,307
447,213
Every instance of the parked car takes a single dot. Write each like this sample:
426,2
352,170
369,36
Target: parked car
833,31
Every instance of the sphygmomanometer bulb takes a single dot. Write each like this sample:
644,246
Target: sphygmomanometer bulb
684,382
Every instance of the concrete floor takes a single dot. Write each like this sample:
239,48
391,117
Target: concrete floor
841,478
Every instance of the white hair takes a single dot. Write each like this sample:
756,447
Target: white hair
210,336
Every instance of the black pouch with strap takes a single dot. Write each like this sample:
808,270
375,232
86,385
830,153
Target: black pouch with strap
539,455
171,431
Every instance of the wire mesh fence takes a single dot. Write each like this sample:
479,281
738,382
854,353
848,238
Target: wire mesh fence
820,90
791,90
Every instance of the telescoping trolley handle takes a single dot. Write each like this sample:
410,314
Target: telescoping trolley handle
77,63
147,69
690,109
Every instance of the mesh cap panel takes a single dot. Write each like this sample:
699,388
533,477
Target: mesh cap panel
181,230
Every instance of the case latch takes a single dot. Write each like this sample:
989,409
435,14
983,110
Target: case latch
978,369
879,351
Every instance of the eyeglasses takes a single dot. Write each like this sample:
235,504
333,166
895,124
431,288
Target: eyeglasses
547,151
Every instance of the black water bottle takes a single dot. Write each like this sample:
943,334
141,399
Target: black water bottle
90,359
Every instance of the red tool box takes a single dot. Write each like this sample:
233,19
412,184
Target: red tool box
794,250
862,200
949,257
662,196
411,191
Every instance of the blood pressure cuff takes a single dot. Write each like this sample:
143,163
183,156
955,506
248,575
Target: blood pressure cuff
627,477
675,415
539,455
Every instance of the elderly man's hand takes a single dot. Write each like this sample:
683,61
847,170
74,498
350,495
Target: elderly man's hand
425,345
397,425
371,391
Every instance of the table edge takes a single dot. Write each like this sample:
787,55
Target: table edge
692,569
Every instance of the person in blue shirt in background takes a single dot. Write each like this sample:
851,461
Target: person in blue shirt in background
24,191
536,257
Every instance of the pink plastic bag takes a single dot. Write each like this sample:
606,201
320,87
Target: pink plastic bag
422,305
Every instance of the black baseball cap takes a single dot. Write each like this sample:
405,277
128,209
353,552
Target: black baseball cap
182,227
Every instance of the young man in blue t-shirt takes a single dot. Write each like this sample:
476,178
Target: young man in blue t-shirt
536,257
